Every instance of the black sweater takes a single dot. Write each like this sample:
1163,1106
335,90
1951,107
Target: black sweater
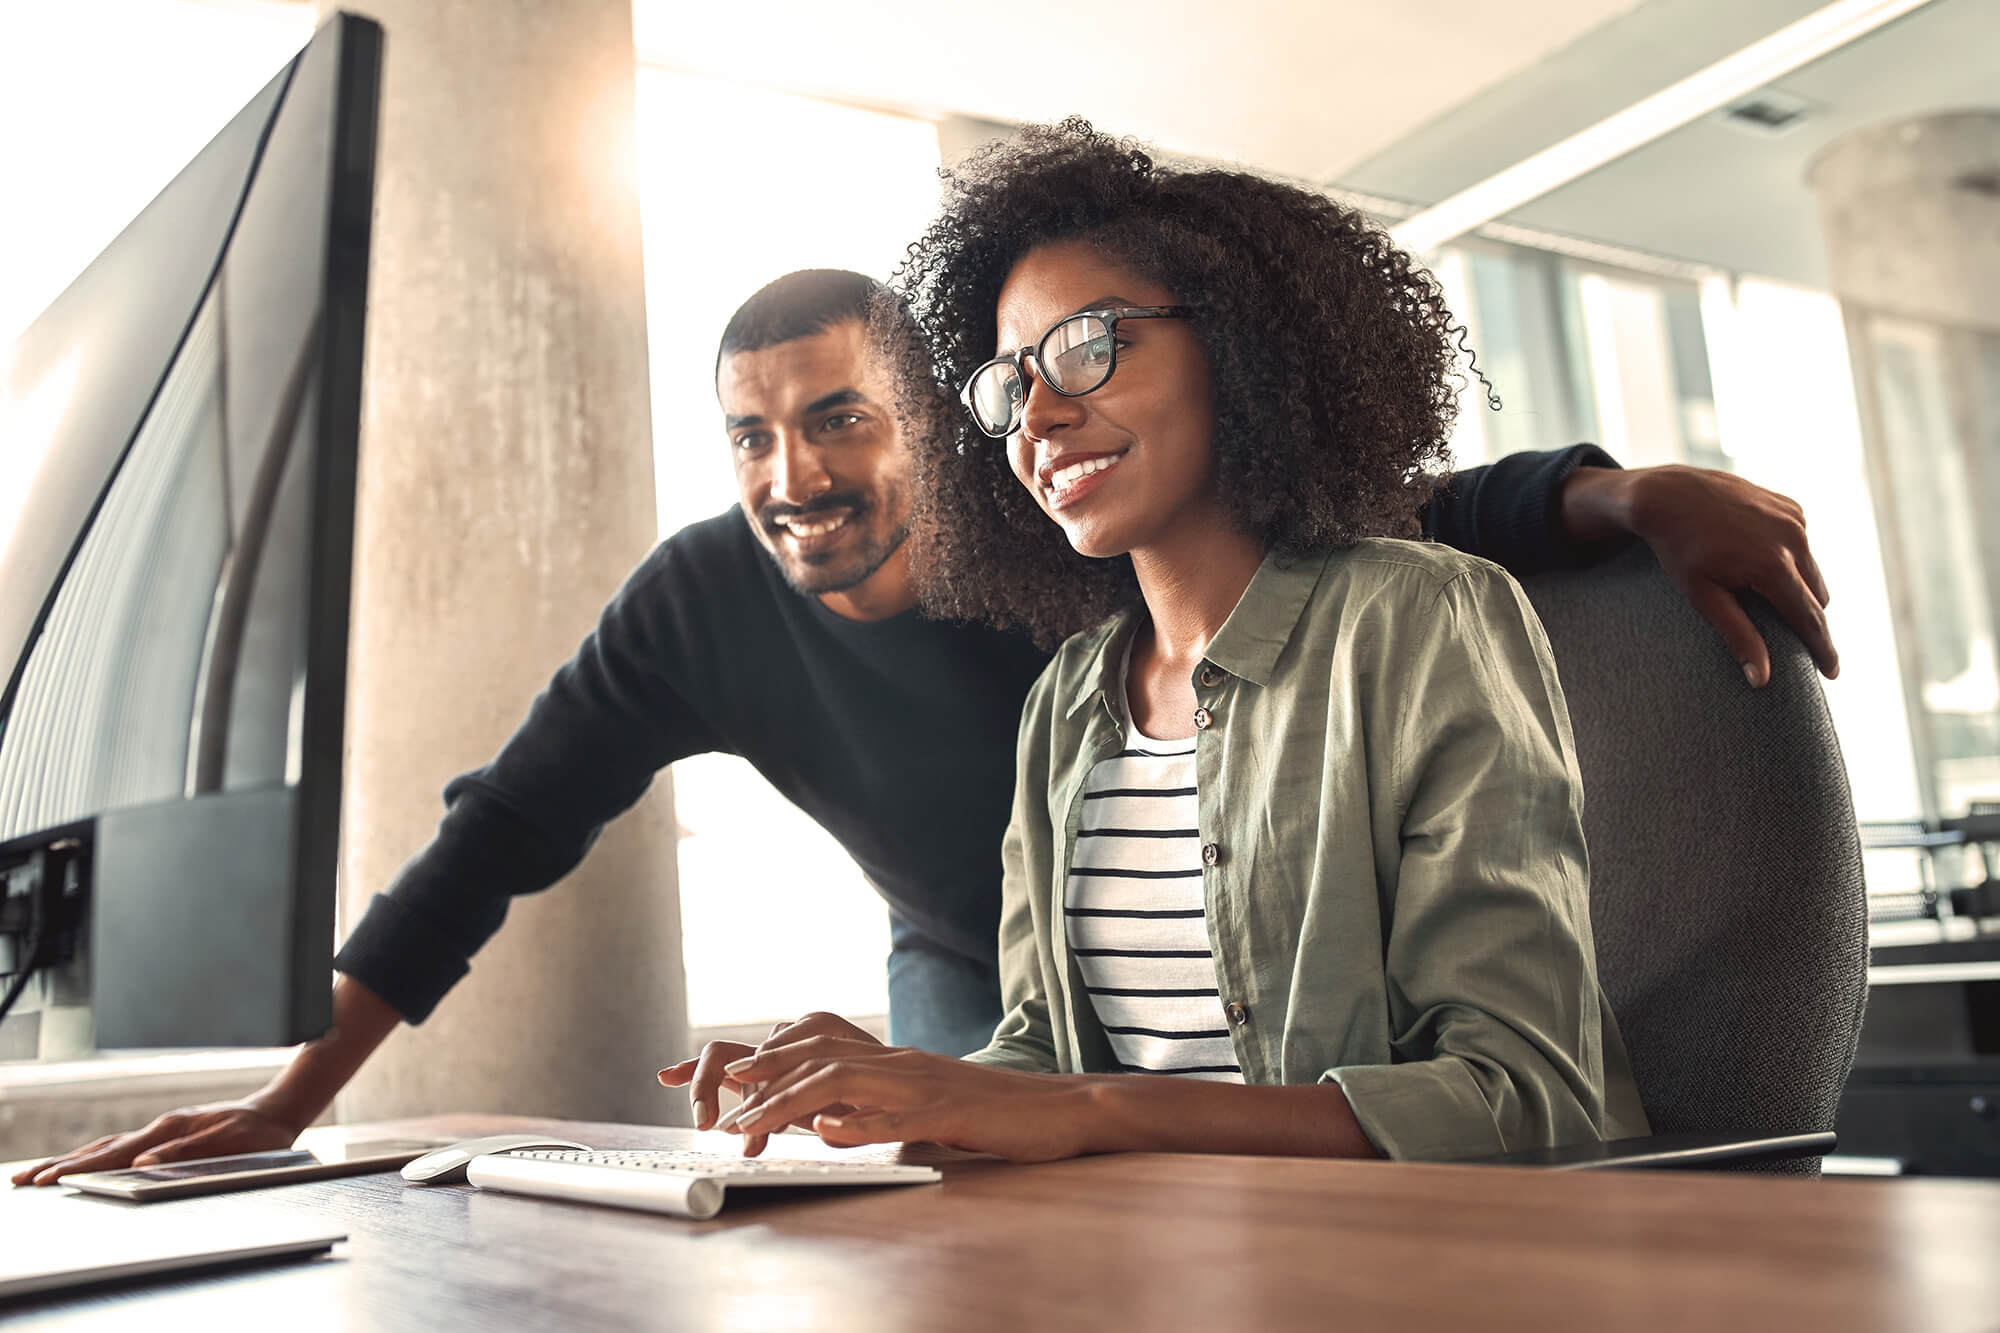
896,735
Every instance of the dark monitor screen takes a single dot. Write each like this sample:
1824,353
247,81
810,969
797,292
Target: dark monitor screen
173,597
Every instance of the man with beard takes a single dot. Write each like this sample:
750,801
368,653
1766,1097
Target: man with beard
793,640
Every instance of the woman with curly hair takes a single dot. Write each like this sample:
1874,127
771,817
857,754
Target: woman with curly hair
1297,815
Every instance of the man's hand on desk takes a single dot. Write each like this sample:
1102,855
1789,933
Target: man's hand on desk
1715,534
218,1130
266,1120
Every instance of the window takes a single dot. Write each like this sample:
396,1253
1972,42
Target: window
1786,404
1935,440
1747,376
1512,302
1787,411
739,186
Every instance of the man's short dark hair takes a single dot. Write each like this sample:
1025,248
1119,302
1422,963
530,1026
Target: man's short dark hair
797,305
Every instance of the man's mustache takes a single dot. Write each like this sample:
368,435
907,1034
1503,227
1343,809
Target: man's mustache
856,501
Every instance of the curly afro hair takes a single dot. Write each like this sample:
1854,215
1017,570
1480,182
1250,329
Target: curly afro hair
1332,357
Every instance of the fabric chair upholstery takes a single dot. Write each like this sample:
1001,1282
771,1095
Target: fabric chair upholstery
1726,884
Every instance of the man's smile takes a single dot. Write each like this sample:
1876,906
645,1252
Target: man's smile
812,534
801,526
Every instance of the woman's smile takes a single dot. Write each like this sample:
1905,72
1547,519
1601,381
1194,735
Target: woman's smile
1067,478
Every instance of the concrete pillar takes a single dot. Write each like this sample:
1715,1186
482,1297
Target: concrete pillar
1911,217
506,490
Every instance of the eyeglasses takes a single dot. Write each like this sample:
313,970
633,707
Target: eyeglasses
1074,358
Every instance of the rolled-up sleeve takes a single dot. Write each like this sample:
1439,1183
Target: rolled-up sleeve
1490,968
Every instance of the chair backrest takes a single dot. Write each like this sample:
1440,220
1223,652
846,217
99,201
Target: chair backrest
1726,887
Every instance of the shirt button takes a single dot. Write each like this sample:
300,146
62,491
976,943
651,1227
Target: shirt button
1210,854
1239,1013
1210,676
1202,717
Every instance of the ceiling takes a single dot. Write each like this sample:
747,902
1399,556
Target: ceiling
1302,88
1717,194
1402,99
1711,192
1645,49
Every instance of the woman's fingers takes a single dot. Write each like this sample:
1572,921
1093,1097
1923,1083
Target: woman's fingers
811,1026
819,1088
758,1073
770,1064
703,1076
836,1087
895,1096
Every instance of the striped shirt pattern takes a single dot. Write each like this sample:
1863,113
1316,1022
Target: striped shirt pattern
1136,917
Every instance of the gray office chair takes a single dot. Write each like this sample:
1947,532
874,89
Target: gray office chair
1726,885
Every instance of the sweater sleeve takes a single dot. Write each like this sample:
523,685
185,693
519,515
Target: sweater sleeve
1510,512
593,739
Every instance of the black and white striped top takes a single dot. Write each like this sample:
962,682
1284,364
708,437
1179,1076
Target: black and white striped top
1136,914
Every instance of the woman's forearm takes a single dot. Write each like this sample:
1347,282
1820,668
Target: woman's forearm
1142,1113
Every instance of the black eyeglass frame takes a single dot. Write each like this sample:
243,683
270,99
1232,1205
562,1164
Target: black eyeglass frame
1110,315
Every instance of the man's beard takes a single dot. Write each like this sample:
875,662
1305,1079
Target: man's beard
837,570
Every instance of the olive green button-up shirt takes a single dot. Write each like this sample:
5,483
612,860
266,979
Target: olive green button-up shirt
1396,891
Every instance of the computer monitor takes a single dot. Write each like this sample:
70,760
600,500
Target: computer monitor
174,592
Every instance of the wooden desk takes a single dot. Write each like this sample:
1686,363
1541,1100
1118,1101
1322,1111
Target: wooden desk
1106,1243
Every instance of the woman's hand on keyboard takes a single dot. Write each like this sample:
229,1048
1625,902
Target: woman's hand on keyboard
854,1090
705,1074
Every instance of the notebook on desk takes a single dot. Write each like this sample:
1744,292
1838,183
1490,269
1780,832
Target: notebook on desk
69,1241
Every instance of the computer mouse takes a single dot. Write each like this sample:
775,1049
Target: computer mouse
446,1166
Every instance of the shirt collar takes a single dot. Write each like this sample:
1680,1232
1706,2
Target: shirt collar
1248,644
1107,655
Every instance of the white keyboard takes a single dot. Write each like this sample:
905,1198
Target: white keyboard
679,1182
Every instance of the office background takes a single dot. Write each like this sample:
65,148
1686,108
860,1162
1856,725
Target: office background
575,195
